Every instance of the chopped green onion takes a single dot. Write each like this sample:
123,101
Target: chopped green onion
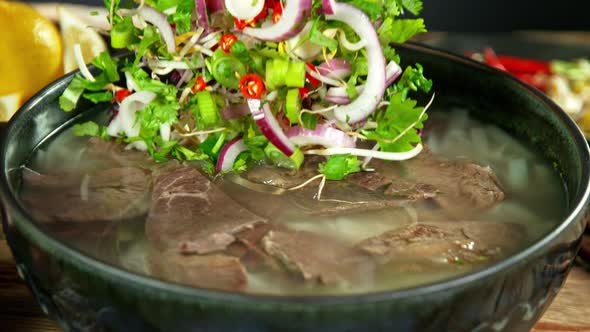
293,105
227,70
295,77
276,71
279,159
208,111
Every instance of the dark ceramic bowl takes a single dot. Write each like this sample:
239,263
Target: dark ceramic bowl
87,295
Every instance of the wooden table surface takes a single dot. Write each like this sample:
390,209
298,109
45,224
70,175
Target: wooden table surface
19,312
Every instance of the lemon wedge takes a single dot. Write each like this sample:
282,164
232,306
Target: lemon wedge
31,51
75,31
9,104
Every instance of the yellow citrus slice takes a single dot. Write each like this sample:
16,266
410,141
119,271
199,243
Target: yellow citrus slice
75,31
30,50
9,104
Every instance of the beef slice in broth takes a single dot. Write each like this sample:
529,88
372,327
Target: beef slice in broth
459,187
338,197
119,193
209,271
190,214
446,242
249,249
313,257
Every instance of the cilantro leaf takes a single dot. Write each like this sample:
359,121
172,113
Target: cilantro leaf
70,97
182,17
373,8
399,122
150,39
413,80
99,97
399,30
317,37
413,6
339,166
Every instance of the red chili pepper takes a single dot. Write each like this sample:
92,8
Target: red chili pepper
277,11
303,92
523,65
242,24
491,59
200,84
312,80
252,86
122,94
227,41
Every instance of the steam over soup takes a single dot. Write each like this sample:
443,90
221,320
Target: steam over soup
474,196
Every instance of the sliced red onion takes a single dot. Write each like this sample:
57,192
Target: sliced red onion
244,9
367,101
339,95
392,72
201,11
327,7
229,153
214,6
160,21
125,120
294,17
348,45
305,50
269,126
323,79
323,135
336,68
235,111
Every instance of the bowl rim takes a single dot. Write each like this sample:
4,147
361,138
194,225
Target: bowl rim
119,275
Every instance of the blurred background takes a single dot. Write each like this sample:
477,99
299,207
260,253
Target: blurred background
490,16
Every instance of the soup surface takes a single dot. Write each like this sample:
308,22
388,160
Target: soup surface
474,196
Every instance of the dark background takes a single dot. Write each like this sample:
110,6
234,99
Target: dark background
492,15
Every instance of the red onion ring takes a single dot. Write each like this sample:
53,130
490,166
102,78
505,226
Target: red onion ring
125,120
327,7
201,11
214,6
336,68
269,126
323,135
339,96
160,21
367,101
229,153
295,15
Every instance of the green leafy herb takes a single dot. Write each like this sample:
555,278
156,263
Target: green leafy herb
399,30
70,97
413,80
396,127
99,97
339,166
89,128
317,37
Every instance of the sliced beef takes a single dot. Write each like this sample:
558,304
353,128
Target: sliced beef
108,195
248,247
316,258
210,271
450,242
101,151
337,196
190,214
